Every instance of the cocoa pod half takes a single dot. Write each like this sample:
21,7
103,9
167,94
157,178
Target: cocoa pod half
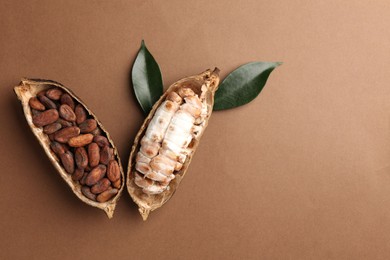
73,167
204,85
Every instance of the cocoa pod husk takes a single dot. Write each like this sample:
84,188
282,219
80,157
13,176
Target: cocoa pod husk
147,203
29,88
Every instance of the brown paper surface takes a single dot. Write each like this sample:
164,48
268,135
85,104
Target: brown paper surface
302,172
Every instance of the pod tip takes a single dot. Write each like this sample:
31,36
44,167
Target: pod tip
109,210
144,213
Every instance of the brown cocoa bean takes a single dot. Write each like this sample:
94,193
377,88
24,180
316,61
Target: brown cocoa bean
58,148
81,157
96,175
51,137
97,131
82,181
36,104
68,100
101,186
81,114
66,112
80,140
41,93
106,195
49,104
93,154
106,154
88,126
54,93
45,118
67,161
87,193
78,174
53,127
101,141
113,171
64,123
65,134
117,184
35,112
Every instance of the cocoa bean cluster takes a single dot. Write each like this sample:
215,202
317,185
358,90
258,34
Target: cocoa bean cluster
80,145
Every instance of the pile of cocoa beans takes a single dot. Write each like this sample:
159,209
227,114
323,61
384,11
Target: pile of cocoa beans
79,143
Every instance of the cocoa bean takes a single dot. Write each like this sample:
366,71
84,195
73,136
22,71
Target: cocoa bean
93,154
101,186
97,131
54,93
45,118
81,157
49,104
85,175
87,193
53,127
106,154
51,137
78,174
80,140
66,112
65,134
67,161
57,148
106,195
64,123
81,114
96,175
113,171
88,126
36,104
68,100
101,141
35,112
117,184
41,93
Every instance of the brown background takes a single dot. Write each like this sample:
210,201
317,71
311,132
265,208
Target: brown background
302,172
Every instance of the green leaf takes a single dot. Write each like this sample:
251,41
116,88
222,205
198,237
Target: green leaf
146,78
243,85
